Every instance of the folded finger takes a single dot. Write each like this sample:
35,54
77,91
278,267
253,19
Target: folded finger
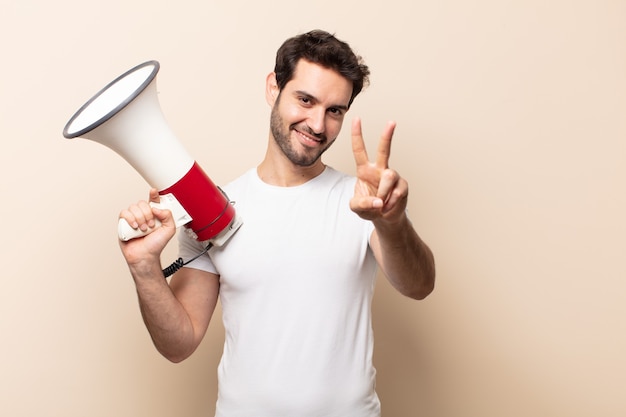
388,180
142,214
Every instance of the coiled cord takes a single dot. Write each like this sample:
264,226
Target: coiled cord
179,263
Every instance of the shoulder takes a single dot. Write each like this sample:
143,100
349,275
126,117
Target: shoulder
238,185
243,179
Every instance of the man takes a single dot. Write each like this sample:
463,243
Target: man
296,280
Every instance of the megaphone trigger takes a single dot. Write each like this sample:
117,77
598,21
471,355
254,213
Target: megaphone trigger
167,202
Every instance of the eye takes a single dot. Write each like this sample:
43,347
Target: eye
337,112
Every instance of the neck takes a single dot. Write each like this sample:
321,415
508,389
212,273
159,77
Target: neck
276,169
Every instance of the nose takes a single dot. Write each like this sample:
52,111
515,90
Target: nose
317,120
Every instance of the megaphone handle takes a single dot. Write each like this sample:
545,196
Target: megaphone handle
125,232
167,201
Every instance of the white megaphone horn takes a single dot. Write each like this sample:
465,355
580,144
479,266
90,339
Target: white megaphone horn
126,117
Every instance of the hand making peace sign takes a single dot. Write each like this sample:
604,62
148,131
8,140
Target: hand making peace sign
380,192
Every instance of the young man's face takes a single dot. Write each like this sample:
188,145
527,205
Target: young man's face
308,113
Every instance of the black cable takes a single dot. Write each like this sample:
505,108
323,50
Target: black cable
179,263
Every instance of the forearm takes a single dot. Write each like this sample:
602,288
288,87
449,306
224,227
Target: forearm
407,262
165,318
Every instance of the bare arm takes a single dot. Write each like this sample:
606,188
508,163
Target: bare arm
176,315
406,260
381,196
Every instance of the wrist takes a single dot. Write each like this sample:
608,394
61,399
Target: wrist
146,267
391,224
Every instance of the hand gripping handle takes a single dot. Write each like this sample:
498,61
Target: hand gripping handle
167,202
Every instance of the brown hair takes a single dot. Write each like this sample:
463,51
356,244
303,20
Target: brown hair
323,48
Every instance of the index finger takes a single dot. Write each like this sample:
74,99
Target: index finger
384,146
358,145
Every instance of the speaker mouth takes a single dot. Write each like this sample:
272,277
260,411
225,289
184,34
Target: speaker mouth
111,99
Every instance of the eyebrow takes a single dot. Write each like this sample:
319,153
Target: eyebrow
313,98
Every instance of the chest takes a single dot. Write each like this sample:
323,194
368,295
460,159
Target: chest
309,241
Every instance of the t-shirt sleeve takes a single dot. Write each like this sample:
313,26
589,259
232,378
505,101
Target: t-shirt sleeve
189,248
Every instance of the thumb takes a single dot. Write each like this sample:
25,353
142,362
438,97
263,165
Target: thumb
154,196
164,215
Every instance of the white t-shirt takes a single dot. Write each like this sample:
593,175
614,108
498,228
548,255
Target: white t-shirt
296,284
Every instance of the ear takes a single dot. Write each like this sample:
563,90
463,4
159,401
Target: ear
271,89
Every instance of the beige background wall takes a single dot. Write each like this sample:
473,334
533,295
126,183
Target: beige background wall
511,132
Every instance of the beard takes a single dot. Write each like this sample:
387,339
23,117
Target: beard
282,135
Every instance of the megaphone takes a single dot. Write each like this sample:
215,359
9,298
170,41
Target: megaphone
126,117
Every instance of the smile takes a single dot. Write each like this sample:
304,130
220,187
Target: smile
309,140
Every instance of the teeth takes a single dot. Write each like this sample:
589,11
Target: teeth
309,138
